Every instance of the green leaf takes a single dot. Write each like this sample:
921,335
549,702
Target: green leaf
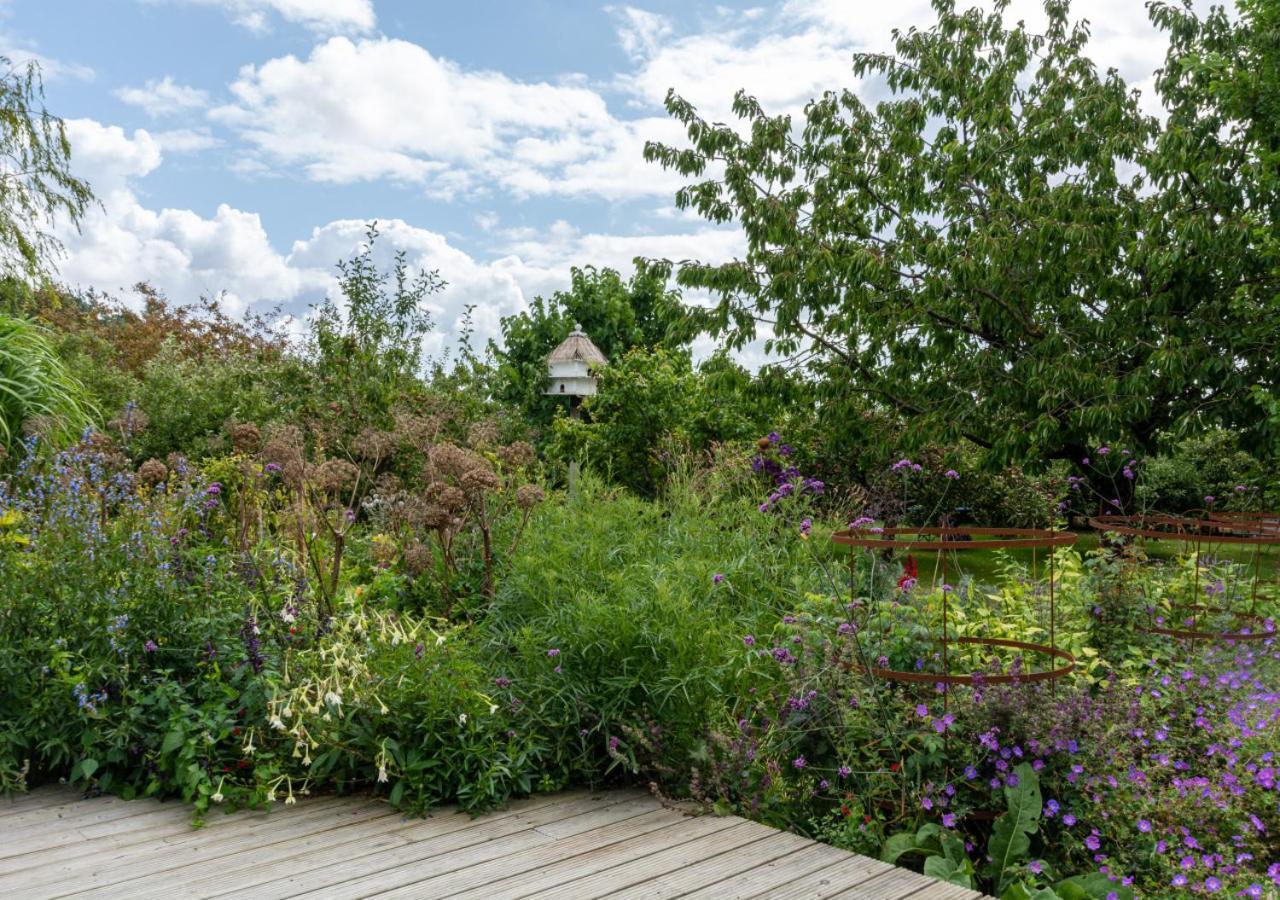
1011,836
173,740
924,841
1091,887
946,870
88,767
397,792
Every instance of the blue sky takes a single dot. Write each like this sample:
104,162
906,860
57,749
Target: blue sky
238,145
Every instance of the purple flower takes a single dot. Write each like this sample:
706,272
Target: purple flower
1069,820
922,710
806,525
799,762
553,652
1092,842
949,820
1212,884
1208,499
749,640
1036,866
774,437
717,578
1144,826
951,473
1103,451
844,771
150,647
1179,880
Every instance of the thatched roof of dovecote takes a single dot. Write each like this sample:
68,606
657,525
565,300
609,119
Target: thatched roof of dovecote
577,346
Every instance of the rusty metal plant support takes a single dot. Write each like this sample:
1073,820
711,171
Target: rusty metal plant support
1258,530
1261,522
947,541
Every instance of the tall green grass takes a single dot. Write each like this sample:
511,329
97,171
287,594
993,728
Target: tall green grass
625,590
34,382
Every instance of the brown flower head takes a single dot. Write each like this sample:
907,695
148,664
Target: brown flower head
452,461
334,475
517,455
245,437
529,496
416,558
153,472
479,480
131,422
373,444
483,433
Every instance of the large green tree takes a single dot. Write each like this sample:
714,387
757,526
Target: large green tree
37,189
1007,248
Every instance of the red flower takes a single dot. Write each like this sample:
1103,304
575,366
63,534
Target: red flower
909,571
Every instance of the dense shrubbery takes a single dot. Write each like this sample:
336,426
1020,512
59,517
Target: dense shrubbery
184,630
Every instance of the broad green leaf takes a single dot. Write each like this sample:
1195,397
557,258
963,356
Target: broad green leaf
1011,836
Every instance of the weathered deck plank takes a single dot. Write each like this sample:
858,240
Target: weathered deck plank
575,845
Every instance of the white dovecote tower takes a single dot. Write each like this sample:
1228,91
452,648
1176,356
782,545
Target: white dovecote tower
571,367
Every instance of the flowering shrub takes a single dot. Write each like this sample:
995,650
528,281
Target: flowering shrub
168,632
1150,770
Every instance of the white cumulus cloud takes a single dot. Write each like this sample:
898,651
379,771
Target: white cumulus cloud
390,109
163,97
326,16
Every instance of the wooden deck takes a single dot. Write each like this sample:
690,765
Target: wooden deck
618,844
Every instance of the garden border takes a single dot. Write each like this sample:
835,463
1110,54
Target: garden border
961,539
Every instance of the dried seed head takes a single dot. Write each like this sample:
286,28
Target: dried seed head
245,436
529,496
452,461
334,475
416,558
517,455
483,433
373,444
152,472
479,480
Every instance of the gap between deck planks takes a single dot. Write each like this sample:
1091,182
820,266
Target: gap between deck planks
574,845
